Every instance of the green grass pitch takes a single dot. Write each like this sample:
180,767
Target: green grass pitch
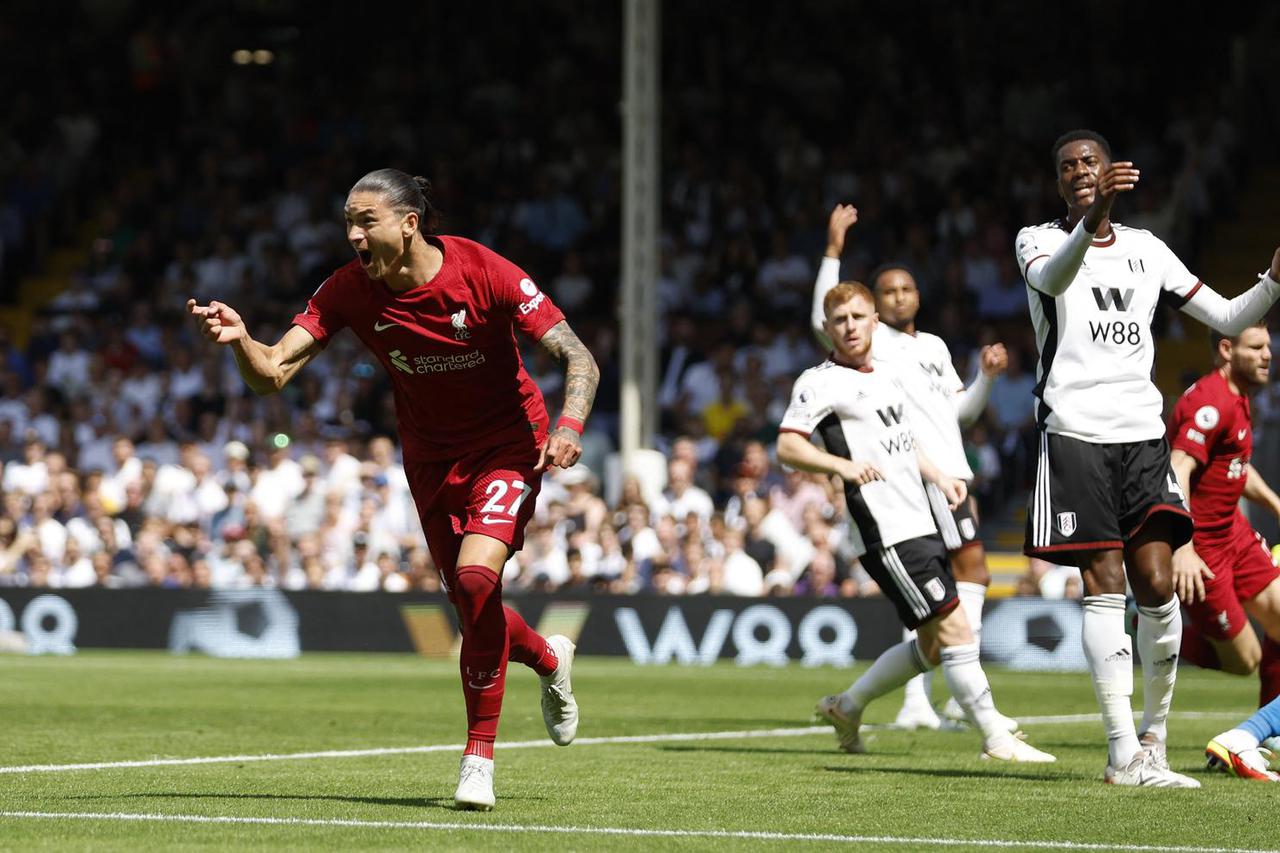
913,791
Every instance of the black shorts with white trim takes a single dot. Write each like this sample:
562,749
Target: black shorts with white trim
915,576
958,527
1090,497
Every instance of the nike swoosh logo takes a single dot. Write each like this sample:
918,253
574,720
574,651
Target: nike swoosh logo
1240,435
378,327
489,519
475,686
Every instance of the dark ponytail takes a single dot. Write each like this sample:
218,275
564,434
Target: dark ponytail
403,193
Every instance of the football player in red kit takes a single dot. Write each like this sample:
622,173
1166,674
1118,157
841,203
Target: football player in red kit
1225,574
440,313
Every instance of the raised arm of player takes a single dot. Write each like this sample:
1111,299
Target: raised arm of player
1189,571
1052,274
954,489
1234,316
841,220
797,451
564,444
265,369
971,401
1257,491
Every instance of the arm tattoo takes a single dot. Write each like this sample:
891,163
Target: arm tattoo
581,374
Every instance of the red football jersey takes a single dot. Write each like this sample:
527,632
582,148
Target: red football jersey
1212,425
449,347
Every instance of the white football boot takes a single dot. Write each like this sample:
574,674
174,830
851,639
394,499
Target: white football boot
1143,771
846,723
559,708
475,784
1006,747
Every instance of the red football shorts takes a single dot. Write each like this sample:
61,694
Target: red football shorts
491,491
1242,568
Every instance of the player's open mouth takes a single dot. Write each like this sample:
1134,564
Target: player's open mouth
366,257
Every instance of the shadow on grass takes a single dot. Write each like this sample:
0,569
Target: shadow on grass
958,773
767,750
406,802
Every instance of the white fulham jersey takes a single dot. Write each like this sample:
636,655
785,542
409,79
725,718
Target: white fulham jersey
861,414
1096,349
929,377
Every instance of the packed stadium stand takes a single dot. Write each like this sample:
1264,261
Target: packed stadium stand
196,158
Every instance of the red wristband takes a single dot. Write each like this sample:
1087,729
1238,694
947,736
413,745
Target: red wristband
572,423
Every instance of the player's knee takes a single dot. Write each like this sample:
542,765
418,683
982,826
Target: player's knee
476,591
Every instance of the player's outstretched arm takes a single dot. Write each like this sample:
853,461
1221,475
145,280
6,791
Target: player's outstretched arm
1189,571
842,218
800,453
265,369
1257,491
564,445
971,401
1233,316
1052,274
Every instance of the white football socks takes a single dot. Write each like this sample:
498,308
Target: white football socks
890,671
1159,641
919,689
972,597
968,684
1110,655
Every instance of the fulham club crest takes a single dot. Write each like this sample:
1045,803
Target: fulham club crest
1067,523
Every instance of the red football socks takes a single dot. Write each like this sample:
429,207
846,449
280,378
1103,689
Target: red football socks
1197,649
478,598
1269,671
527,645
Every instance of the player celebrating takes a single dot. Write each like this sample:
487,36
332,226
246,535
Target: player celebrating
1105,495
1226,572
859,410
939,406
439,312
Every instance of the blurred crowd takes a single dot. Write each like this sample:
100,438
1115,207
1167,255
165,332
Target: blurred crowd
134,455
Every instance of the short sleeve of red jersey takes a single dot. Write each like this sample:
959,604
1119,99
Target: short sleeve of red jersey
532,309
1195,425
323,317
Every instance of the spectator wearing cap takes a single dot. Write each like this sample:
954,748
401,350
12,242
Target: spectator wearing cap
583,508
236,474
305,512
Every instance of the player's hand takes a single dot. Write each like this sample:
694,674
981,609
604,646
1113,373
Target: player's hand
1120,177
1274,272
994,360
218,322
955,491
859,473
842,219
1189,574
562,449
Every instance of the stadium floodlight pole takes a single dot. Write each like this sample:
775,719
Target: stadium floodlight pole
639,308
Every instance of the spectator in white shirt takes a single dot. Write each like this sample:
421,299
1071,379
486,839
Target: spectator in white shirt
68,366
681,497
742,574
31,476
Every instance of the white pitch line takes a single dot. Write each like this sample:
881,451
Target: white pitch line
625,831
673,737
